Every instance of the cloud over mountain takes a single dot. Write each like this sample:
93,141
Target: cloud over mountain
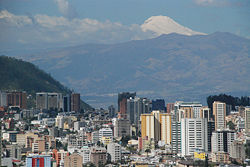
39,31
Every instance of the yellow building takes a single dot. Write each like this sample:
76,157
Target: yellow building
201,156
165,122
156,126
106,140
147,126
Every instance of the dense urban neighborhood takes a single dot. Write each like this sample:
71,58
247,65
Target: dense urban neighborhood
54,131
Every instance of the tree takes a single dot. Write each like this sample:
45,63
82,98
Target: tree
247,150
147,151
59,144
231,125
125,140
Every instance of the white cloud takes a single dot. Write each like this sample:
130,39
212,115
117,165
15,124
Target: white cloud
204,1
15,20
211,2
65,8
49,31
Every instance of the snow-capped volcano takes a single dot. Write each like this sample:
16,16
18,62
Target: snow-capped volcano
166,25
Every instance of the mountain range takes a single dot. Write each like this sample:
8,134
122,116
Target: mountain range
24,76
172,66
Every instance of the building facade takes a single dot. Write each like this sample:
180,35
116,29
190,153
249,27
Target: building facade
247,121
38,161
121,127
219,113
222,139
193,135
75,102
114,150
156,126
73,160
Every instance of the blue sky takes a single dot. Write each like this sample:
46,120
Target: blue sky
53,23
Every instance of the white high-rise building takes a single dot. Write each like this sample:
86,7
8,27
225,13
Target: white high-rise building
114,150
105,132
247,121
60,121
85,153
219,112
193,135
221,140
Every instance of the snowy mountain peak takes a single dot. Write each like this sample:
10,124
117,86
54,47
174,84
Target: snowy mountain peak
165,25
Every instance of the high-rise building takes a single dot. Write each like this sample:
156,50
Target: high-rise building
67,103
158,104
75,102
38,161
176,136
114,150
187,109
42,101
18,99
48,101
111,111
237,150
121,127
181,110
210,129
73,160
137,106
132,109
241,110
165,123
170,107
247,121
205,113
156,126
219,112
54,101
176,129
148,126
222,139
122,103
193,135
